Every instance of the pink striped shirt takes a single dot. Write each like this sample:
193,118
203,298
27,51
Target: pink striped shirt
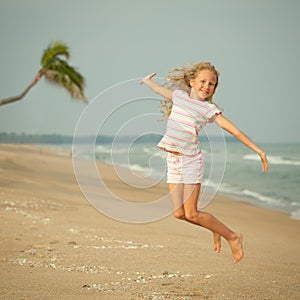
187,118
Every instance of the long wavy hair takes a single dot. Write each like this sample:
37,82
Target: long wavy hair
179,79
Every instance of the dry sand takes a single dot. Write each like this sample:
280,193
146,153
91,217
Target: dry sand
56,245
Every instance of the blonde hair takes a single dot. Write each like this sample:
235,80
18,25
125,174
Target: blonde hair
179,79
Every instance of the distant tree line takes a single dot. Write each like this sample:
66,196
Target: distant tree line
23,138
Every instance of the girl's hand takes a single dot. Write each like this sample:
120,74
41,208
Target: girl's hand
156,87
148,77
264,162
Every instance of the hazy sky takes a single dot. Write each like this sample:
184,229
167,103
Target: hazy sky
254,44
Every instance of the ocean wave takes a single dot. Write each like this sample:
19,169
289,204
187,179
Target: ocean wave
295,214
139,169
112,150
245,193
103,149
262,198
147,149
275,160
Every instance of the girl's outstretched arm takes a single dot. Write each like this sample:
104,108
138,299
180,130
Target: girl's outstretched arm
221,121
156,87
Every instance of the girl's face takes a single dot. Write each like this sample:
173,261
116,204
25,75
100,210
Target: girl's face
203,85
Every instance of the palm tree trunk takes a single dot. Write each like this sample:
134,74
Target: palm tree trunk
19,97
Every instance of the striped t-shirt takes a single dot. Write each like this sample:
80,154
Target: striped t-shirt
187,118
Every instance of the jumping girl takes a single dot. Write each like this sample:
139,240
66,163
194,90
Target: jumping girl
188,106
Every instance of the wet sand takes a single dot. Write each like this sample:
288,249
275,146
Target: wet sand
56,245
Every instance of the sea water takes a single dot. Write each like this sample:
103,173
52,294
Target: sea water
278,189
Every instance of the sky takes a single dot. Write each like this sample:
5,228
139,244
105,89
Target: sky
255,45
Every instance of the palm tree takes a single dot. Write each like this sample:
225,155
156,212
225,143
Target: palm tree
57,71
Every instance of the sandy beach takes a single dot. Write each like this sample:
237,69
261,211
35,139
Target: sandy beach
56,245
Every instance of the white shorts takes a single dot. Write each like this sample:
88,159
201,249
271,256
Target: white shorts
185,169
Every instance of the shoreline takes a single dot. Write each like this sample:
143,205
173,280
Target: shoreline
55,244
244,196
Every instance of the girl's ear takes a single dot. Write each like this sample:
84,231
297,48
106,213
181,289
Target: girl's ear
192,82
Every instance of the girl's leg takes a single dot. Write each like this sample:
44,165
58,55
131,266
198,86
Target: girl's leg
176,193
177,196
206,220
217,242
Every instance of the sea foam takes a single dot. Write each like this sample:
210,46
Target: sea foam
275,160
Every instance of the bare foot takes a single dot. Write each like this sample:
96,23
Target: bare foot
217,242
236,245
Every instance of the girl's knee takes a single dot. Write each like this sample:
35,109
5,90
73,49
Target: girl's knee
193,215
198,217
179,214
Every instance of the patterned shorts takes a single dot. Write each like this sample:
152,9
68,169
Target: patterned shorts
185,169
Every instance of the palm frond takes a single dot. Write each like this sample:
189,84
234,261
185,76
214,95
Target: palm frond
62,74
74,75
54,49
